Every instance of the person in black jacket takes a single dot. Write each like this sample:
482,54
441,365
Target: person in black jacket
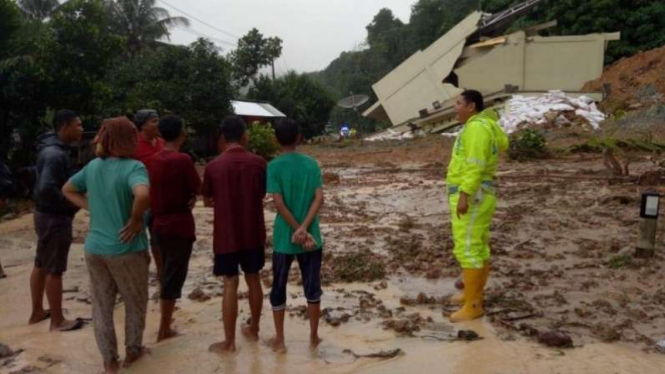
54,215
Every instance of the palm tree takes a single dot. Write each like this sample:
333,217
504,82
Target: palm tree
141,22
38,9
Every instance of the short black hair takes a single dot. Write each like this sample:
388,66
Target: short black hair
287,131
62,118
170,127
232,129
473,96
143,115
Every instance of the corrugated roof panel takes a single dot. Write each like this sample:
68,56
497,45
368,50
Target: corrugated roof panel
244,108
274,111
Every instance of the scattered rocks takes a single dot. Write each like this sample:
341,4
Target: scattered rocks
660,346
421,299
406,326
555,339
198,295
608,334
331,178
335,317
5,351
468,335
381,286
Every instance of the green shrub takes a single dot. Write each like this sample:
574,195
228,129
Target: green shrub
262,141
528,145
620,261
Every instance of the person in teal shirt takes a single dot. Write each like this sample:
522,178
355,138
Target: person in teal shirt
294,180
114,189
109,184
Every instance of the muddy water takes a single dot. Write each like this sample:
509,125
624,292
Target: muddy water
388,199
76,352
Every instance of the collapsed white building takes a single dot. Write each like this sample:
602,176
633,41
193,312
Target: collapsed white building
420,93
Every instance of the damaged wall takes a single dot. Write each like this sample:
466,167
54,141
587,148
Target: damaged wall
536,63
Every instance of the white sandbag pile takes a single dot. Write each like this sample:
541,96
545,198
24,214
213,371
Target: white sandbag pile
552,109
390,135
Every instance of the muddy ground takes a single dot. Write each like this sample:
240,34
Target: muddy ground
563,275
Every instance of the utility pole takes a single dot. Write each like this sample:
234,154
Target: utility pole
273,69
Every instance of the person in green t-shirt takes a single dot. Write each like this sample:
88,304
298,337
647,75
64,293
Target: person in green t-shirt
114,189
294,180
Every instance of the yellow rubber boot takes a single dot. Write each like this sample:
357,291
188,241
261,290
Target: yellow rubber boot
473,295
459,298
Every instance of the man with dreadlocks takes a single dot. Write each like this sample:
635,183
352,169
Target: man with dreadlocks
114,188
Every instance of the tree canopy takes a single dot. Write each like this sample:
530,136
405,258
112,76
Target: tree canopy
299,97
254,52
141,22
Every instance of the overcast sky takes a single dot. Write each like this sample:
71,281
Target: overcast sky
314,31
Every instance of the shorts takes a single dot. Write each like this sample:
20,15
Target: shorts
175,265
228,264
54,237
310,270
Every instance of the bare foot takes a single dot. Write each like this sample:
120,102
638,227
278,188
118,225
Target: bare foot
133,357
39,316
223,347
111,367
67,325
250,333
277,345
164,335
314,341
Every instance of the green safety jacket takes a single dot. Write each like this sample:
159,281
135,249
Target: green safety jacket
476,154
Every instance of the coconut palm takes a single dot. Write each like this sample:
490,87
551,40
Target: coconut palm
38,9
141,22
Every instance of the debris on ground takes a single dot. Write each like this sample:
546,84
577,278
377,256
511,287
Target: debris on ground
660,346
28,370
384,355
198,295
355,267
330,178
468,335
5,351
406,326
555,339
422,299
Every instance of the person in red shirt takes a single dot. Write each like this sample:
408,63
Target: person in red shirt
235,185
147,122
149,143
174,184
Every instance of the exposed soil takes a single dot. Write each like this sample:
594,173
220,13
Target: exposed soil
635,81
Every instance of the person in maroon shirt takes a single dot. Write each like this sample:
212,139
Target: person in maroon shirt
174,184
149,143
235,185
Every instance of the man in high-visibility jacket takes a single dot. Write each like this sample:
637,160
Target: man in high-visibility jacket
471,197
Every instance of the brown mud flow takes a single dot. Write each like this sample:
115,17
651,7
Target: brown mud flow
562,267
